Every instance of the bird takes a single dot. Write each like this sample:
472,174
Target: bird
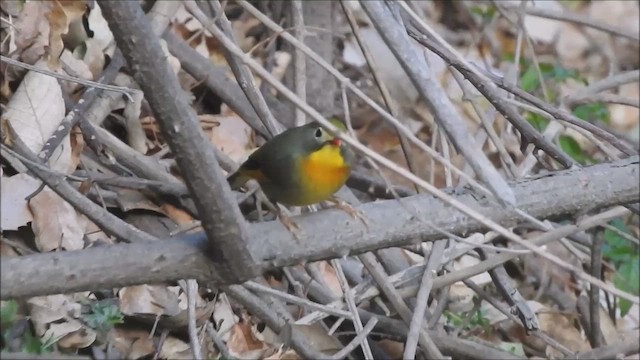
301,166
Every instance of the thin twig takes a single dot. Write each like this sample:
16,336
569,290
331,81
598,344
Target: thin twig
551,132
109,223
348,297
412,61
299,60
577,19
507,312
253,286
623,234
381,278
367,293
564,116
610,82
273,320
192,292
181,129
595,332
329,234
119,89
222,347
347,83
163,337
607,98
240,70
488,89
361,337
224,41
78,112
391,105
431,266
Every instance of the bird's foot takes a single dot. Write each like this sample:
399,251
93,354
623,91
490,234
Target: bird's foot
353,212
291,225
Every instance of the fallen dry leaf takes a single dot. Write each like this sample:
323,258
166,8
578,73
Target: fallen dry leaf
174,348
99,44
178,216
32,30
14,210
393,348
242,340
131,343
92,231
460,298
329,276
232,136
35,112
280,354
141,347
571,45
148,299
467,261
135,200
70,335
55,222
224,317
7,250
44,310
282,60
541,29
318,337
61,14
561,328
625,118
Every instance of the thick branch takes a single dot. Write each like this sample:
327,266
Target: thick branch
220,216
327,234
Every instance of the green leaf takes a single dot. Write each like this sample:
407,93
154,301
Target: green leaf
452,318
573,149
627,278
592,112
546,69
538,121
103,316
507,57
616,248
8,313
31,344
512,347
529,81
485,12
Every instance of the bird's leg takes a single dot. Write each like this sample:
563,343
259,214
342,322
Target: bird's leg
281,213
346,207
285,218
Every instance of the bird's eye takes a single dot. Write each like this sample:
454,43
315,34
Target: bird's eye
318,133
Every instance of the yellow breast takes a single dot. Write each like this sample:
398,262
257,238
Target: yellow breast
323,173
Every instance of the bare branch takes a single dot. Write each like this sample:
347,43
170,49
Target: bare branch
220,215
328,234
445,114
576,19
240,70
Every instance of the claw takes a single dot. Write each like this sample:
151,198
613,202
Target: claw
353,212
291,225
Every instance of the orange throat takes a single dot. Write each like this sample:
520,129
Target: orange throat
324,172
